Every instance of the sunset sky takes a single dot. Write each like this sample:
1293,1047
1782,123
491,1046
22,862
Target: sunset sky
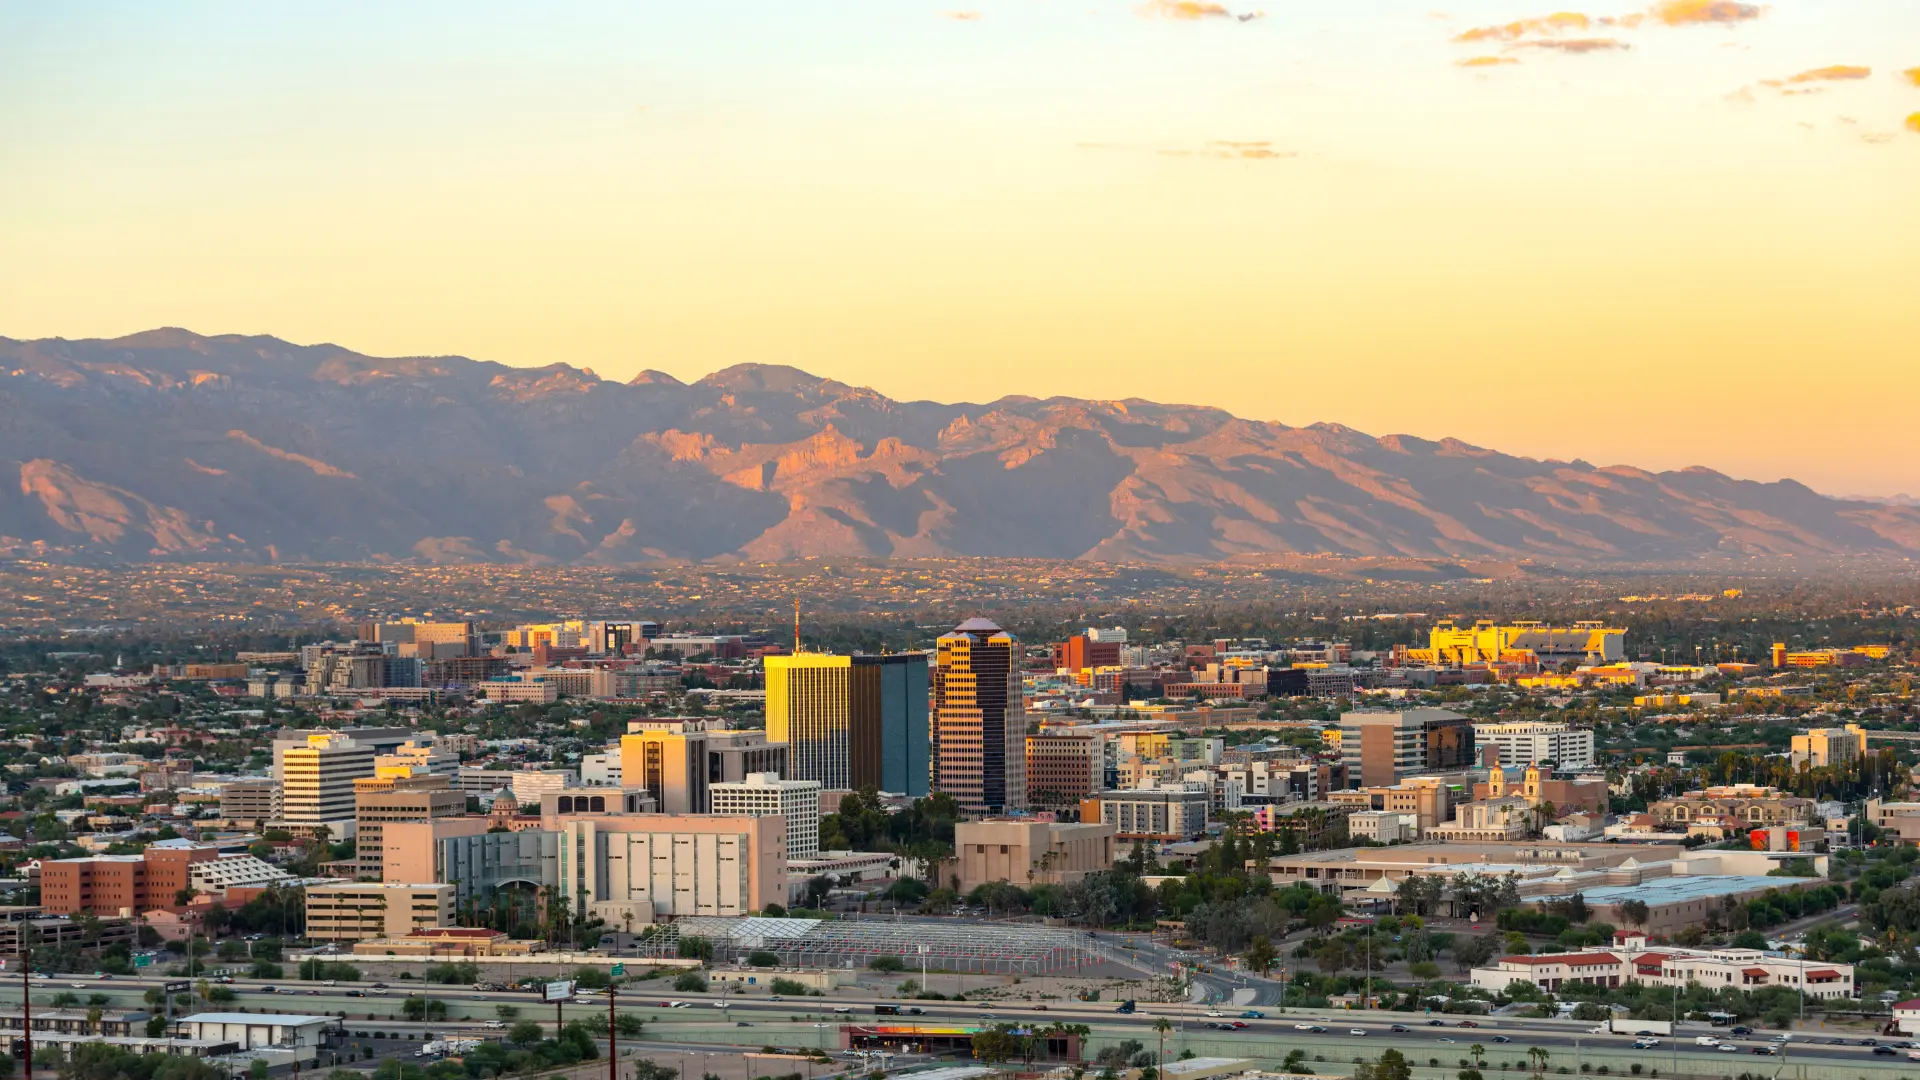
1664,234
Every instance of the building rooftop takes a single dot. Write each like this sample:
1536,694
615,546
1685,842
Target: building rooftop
283,1019
1674,890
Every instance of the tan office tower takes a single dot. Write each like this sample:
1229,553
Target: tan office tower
395,795
979,719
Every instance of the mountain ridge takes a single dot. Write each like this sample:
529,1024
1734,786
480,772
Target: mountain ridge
175,445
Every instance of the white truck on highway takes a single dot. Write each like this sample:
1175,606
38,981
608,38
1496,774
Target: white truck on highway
1622,1026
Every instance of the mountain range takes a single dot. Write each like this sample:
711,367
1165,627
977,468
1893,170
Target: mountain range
173,445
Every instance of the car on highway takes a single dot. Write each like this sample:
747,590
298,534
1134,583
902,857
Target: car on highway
1885,1051
1215,1012
1446,1040
1303,1027
843,1009
776,997
1397,1027
355,993
78,985
269,989
1468,1023
1356,1031
1436,1023
1040,1008
1237,1025
495,1025
1740,1029
1502,1039
684,1005
1727,1048
1316,1029
1765,1051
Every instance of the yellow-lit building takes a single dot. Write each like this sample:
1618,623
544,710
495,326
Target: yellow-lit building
851,721
1821,747
1594,677
1487,642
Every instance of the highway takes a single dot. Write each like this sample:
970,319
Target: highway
757,1019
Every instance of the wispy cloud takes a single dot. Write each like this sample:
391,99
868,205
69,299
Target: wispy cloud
1485,61
1557,23
1576,46
1831,73
1695,12
961,16
1194,11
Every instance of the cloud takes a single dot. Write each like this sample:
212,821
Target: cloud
1696,12
1573,45
1485,61
1833,73
1193,11
1557,23
961,16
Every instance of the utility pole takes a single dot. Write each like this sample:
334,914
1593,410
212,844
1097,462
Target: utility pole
613,1036
26,1004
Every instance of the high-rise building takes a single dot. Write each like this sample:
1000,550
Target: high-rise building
1381,748
764,795
393,795
851,722
1063,768
979,719
317,779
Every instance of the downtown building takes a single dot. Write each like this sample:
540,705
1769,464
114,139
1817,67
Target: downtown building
979,719
852,722
1382,748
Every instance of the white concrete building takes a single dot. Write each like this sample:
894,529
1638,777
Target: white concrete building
235,871
600,770
763,794
1632,961
1569,748
528,785
1383,826
317,781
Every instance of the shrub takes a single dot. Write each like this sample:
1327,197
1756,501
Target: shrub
691,982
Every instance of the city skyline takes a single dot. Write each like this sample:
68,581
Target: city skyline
1645,234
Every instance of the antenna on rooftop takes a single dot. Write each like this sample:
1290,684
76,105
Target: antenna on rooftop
796,625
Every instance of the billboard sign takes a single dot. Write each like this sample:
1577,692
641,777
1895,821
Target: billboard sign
557,991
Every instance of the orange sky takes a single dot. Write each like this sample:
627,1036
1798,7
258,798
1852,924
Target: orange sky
1667,235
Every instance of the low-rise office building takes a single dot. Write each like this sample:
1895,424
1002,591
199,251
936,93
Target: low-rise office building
368,910
1024,852
1172,812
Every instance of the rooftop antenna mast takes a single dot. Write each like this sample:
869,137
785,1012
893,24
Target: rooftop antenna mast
796,626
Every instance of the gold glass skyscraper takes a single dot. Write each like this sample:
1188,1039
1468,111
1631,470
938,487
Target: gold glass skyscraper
851,721
979,719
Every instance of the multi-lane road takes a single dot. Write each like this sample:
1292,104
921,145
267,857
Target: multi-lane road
758,1019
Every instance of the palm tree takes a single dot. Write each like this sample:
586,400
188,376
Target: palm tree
1161,1027
1479,1054
1538,1055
